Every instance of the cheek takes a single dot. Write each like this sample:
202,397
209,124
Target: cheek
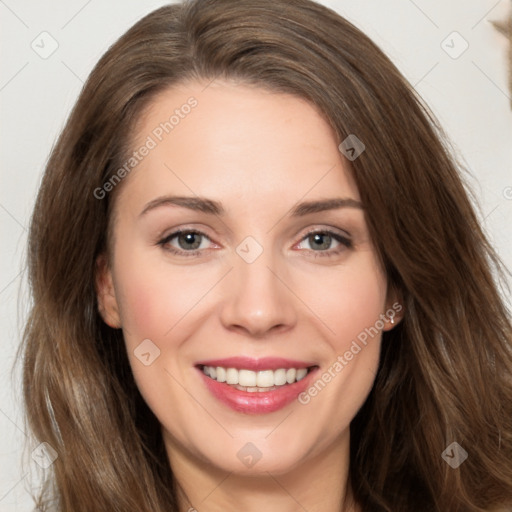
160,303
152,302
350,300
152,298
142,309
350,306
351,309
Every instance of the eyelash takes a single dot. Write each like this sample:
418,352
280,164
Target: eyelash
344,241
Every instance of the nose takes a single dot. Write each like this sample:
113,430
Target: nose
258,298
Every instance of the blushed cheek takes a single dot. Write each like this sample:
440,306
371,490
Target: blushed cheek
352,312
149,309
154,300
350,305
363,310
140,313
141,296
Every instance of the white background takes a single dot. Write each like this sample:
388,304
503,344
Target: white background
469,95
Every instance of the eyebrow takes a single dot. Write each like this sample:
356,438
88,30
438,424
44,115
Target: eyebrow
212,207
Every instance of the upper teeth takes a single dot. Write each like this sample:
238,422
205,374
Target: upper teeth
262,379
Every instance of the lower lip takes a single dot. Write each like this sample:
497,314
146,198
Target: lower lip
258,402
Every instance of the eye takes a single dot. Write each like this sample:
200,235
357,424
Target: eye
189,242
321,242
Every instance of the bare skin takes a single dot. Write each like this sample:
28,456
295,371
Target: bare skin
259,154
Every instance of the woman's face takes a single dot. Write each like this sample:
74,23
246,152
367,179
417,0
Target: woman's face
263,278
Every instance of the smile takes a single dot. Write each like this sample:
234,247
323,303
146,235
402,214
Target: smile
255,386
252,381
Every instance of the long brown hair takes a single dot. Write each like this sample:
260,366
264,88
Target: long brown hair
445,373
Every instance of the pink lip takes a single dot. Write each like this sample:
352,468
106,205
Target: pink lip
257,402
248,363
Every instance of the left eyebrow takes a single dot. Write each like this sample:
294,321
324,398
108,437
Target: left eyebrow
212,207
326,204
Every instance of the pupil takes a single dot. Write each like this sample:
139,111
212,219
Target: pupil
317,238
188,238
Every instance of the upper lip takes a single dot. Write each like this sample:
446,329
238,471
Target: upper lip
249,363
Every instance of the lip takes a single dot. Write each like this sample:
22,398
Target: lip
259,402
256,365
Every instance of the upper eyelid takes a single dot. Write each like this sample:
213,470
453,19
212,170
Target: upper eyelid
338,231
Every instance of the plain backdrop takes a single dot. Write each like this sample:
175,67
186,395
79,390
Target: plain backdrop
465,87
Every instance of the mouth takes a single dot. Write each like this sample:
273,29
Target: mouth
256,381
256,386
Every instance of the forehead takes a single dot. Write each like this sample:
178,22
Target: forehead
231,141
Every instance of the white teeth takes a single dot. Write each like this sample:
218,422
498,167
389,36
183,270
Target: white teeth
232,376
280,377
247,380
301,373
265,379
221,374
291,373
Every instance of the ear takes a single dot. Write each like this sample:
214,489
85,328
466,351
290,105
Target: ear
395,309
105,293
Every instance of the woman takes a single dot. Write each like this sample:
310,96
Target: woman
333,339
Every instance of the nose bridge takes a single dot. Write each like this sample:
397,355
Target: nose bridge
256,299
